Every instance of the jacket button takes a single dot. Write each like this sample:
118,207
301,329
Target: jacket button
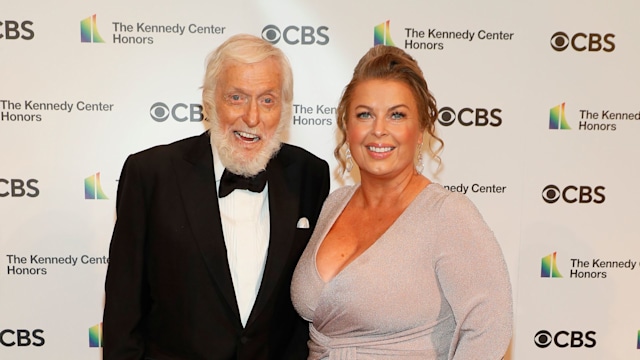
244,339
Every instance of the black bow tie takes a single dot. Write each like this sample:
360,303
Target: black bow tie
231,181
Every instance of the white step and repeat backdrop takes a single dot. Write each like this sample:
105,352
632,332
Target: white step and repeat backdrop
539,111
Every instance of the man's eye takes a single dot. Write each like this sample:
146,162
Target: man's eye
236,98
269,100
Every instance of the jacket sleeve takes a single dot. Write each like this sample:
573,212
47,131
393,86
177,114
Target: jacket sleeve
126,291
325,184
298,348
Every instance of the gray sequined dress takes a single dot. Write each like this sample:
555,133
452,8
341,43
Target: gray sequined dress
434,286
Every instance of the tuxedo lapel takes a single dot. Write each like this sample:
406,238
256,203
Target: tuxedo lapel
197,186
283,210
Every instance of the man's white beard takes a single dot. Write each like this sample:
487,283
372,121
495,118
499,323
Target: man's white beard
233,157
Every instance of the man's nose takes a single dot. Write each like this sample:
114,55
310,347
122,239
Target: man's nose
252,116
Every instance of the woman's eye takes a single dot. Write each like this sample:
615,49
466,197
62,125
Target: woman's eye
397,115
363,115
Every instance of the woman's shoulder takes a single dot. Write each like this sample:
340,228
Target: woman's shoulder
438,194
342,193
454,209
338,198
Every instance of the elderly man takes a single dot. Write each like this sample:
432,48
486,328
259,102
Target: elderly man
210,228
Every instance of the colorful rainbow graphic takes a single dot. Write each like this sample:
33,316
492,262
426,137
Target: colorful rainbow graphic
93,188
557,120
89,30
95,336
549,267
382,35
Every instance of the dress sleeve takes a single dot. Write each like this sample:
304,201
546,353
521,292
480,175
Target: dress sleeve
126,293
473,276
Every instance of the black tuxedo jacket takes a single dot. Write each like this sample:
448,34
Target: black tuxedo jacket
169,293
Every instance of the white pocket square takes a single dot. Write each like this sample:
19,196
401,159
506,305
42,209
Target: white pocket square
303,223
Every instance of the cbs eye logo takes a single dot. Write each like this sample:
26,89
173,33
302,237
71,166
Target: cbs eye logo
179,112
543,339
560,41
563,339
469,117
294,35
572,194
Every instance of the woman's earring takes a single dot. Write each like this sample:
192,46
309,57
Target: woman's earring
349,160
419,165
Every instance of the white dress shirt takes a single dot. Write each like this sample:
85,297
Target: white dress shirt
245,226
